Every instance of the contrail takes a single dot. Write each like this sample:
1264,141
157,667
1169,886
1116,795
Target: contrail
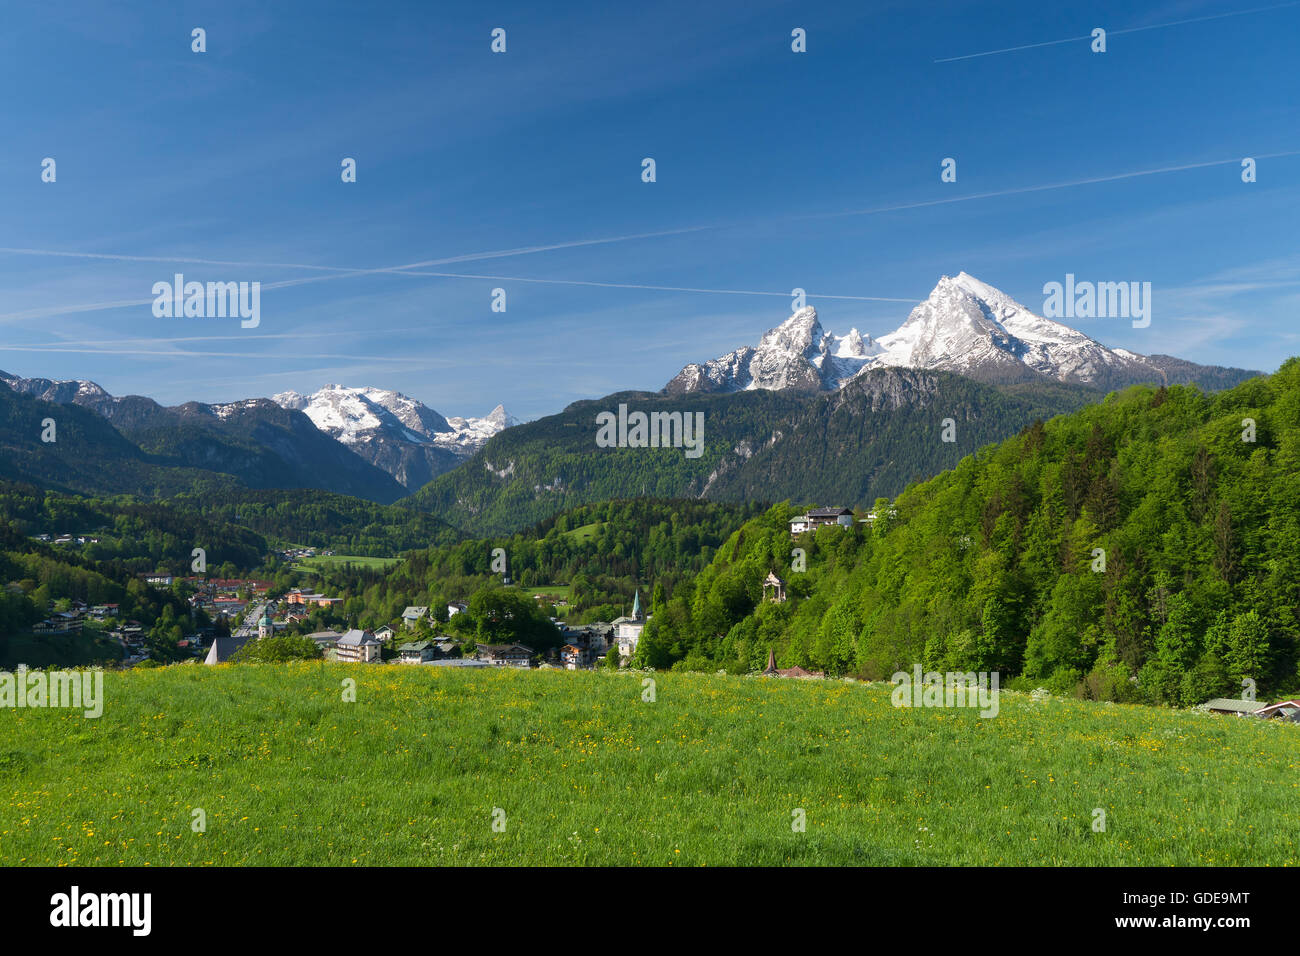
1111,33
653,288
450,260
49,311
174,353
1046,186
334,272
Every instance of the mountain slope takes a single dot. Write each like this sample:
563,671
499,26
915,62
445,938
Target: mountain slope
881,432
256,441
964,326
868,440
531,471
87,454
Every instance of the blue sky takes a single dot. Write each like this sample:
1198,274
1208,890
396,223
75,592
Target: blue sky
775,170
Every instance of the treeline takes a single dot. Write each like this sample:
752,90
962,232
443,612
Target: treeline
1145,548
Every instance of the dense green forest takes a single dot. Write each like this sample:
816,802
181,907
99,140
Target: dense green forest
320,519
529,472
1147,547
869,439
132,536
236,527
73,449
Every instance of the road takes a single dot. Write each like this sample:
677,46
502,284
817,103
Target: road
249,627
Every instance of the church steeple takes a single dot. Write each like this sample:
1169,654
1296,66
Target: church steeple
636,605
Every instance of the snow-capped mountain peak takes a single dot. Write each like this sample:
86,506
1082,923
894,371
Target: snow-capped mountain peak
470,434
853,345
965,326
499,416
396,432
357,414
61,391
797,354
969,327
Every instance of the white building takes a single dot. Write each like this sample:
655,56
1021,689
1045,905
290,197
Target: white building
412,615
358,647
819,517
506,655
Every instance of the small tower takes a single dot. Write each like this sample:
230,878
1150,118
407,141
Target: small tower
636,605
264,627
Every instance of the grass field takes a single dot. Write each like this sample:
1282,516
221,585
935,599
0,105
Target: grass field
584,771
361,561
586,532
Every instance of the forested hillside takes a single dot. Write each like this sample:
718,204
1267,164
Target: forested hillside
73,449
131,535
34,576
869,439
318,519
1145,547
881,432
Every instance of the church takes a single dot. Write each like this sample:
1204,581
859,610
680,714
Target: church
627,630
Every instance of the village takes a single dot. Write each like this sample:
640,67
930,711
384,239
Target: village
416,640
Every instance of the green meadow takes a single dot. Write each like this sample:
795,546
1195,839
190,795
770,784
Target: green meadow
585,533
581,768
319,561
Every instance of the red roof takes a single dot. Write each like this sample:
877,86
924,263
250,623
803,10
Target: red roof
1278,706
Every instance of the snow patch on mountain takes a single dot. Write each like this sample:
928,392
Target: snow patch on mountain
471,434
226,410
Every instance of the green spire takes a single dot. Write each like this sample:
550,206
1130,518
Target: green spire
636,605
